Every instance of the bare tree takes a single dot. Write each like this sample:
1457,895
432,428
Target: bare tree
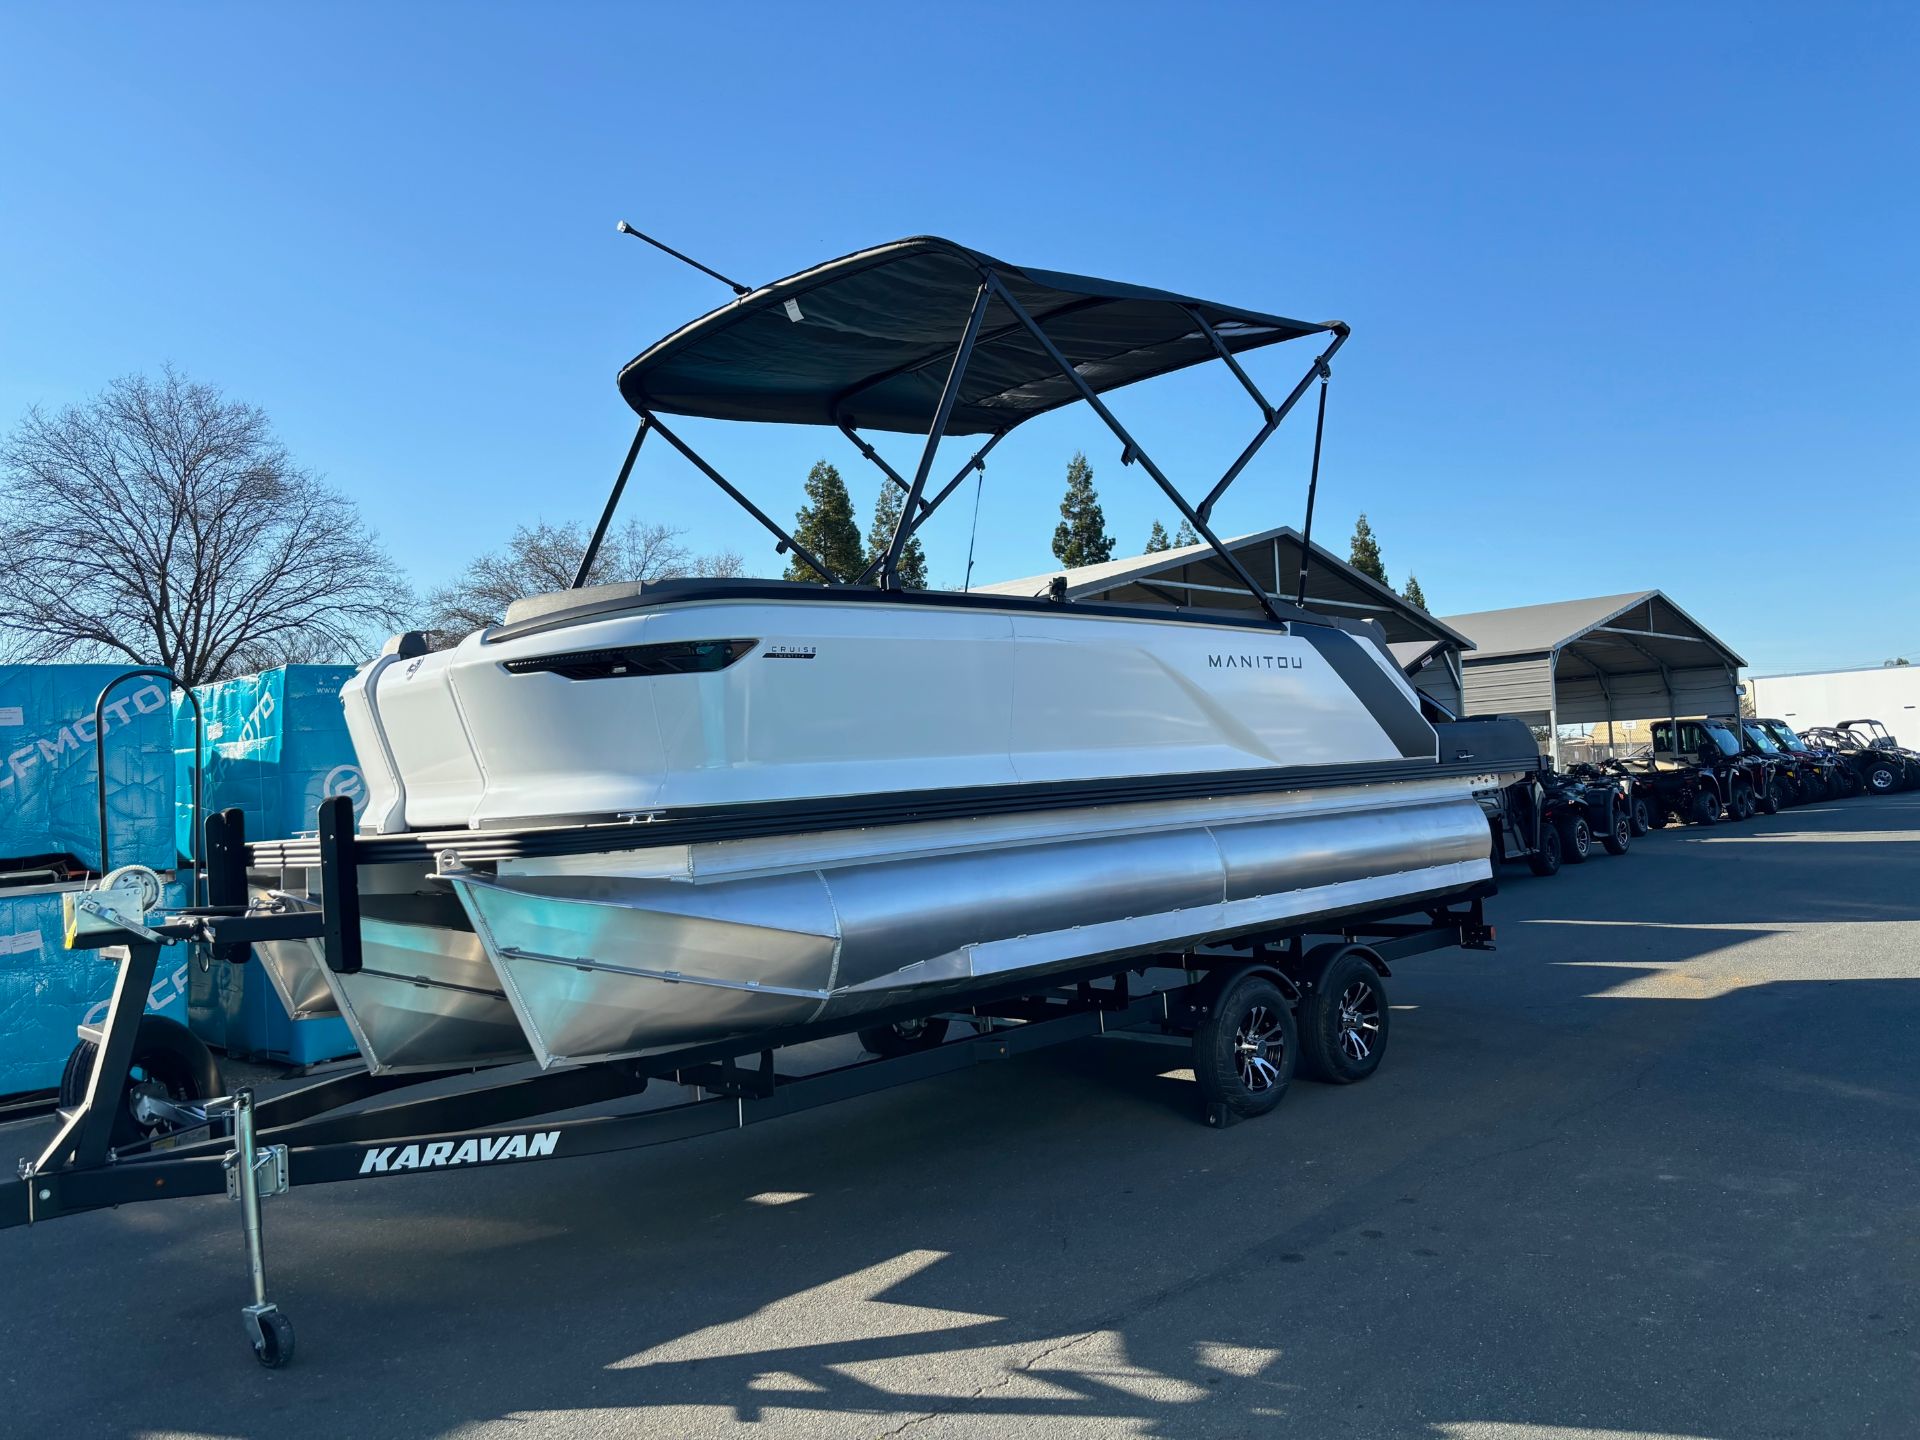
163,524
540,558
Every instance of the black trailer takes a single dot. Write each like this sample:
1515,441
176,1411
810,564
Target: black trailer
144,1116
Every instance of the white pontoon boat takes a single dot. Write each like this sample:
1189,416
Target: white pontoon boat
637,816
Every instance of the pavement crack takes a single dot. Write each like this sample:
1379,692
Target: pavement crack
1006,1378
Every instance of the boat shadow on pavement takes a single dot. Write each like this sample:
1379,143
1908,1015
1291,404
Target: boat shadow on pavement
1567,1204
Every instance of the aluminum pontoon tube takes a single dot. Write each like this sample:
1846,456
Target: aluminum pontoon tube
598,966
425,997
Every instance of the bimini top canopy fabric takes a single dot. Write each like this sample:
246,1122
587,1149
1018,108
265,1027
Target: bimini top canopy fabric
868,341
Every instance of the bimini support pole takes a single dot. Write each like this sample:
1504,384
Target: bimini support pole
1092,397
1274,416
949,396
613,500
787,542
1313,487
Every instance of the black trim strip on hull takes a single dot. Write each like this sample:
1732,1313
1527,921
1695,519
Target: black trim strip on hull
586,835
1392,711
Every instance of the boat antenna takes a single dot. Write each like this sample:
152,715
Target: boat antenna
734,285
979,479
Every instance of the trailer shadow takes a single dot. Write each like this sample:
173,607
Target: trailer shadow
1650,1168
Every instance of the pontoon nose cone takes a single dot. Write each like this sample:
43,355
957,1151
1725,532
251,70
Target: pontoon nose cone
597,966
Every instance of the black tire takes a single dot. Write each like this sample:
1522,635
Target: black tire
166,1055
1640,815
1790,791
1770,797
1546,859
1742,806
905,1037
1706,806
1619,831
1883,778
1577,838
1656,815
273,1340
1245,1051
1817,789
1343,1020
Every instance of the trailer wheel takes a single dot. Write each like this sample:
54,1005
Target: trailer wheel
1883,779
1619,832
905,1037
1578,838
168,1060
1343,1020
1546,859
1640,815
1706,807
1245,1050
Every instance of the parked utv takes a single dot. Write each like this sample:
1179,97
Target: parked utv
1669,791
1734,781
1875,737
1875,771
1790,780
1824,770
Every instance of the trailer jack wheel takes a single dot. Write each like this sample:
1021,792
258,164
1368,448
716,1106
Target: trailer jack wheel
271,1333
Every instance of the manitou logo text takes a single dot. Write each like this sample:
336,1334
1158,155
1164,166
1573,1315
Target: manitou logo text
1253,662
484,1151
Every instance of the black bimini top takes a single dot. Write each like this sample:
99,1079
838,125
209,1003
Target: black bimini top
868,340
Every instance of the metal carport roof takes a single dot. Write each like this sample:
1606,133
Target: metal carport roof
1636,656
1192,576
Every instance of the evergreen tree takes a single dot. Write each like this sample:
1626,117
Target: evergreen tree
1157,539
1365,555
1186,534
886,515
1413,594
825,525
1081,536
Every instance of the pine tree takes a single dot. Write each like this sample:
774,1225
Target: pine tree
1157,539
1365,554
825,525
886,515
1413,594
1186,534
1081,536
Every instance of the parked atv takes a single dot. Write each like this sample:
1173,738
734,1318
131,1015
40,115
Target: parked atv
1607,798
1544,824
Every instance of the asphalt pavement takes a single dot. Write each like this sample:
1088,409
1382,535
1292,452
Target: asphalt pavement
1651,1169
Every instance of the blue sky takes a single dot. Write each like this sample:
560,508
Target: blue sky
1633,288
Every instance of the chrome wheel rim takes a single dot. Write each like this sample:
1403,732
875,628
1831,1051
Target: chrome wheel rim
1359,1020
1258,1047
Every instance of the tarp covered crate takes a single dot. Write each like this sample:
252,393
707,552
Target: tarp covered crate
276,746
47,991
48,794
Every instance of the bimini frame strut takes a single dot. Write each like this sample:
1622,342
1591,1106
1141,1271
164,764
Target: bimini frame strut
917,508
